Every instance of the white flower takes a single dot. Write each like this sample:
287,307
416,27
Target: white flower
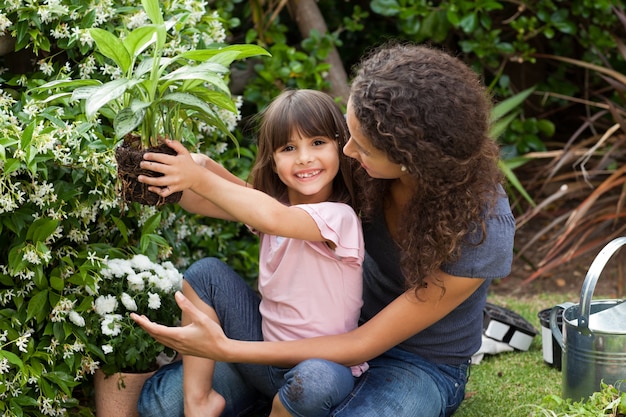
111,324
142,263
4,366
105,304
128,302
77,319
107,349
154,301
136,282
22,342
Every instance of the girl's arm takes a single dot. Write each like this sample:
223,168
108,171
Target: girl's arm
252,207
194,203
406,316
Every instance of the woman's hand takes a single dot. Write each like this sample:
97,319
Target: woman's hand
179,172
202,337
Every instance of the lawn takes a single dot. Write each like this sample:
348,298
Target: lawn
508,383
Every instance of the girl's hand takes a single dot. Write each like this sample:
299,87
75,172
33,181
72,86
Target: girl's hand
202,337
179,172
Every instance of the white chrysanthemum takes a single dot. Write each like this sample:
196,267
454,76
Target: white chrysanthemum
136,282
118,268
105,304
128,302
111,324
142,263
154,301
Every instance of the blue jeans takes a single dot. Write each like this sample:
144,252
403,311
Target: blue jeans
403,384
398,383
246,386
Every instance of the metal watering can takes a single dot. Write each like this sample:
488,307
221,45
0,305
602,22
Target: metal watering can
593,341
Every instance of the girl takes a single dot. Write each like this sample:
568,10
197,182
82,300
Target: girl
311,249
437,228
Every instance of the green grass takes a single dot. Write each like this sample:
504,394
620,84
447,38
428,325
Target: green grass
507,383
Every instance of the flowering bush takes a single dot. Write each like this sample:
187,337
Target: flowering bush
132,285
59,213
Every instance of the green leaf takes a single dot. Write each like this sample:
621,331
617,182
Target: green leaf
151,224
112,47
37,306
62,380
190,101
139,39
41,229
11,165
205,72
514,181
221,100
127,120
27,136
104,94
155,15
225,55
153,11
385,7
498,128
510,104
12,358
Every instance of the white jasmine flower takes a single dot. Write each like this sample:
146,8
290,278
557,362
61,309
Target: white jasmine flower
22,342
4,366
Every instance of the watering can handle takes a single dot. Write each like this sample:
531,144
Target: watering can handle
556,332
592,278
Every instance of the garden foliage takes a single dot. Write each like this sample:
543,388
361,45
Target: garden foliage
59,212
60,218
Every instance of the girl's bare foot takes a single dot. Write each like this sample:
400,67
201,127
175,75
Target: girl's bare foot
210,406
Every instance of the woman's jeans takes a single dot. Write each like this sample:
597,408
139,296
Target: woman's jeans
398,383
245,386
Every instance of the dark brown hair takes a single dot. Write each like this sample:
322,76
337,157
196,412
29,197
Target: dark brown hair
310,113
429,112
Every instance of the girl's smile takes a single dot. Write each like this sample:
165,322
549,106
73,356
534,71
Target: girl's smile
307,166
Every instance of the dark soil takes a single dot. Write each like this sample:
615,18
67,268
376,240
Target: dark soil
128,156
567,278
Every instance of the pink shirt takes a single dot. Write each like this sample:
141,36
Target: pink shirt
308,289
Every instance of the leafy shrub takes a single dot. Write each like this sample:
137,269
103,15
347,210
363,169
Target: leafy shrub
59,212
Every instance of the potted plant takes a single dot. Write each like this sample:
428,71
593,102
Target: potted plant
129,354
157,96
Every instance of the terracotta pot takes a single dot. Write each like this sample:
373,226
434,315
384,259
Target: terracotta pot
117,394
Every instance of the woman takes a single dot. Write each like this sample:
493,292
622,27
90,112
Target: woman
437,228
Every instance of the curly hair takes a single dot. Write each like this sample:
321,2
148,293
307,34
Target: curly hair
429,112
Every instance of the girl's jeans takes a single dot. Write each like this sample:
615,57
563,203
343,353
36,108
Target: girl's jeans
244,385
398,383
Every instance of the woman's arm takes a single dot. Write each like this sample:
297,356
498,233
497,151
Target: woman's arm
404,317
237,202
